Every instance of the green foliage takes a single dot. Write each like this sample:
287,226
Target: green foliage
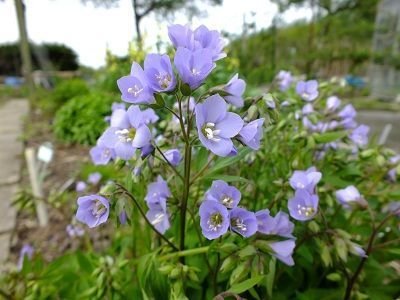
63,91
81,119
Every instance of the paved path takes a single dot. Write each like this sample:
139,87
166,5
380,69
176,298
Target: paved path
377,120
11,156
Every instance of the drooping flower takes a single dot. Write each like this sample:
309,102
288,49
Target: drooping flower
359,135
303,206
181,36
158,70
332,103
285,79
173,156
227,195
135,87
307,90
130,134
123,217
118,105
94,178
307,109
357,250
214,219
307,179
211,40
200,38
74,230
100,154
278,225
251,134
283,251
216,127
235,87
157,194
80,186
159,218
348,112
350,196
149,116
93,210
193,66
25,252
243,222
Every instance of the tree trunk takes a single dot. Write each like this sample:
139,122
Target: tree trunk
138,18
24,45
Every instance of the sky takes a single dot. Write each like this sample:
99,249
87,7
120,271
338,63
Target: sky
91,30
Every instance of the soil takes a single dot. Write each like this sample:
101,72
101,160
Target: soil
52,240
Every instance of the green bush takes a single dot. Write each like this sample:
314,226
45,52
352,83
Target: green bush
81,119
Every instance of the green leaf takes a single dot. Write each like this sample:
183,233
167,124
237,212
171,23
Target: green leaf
328,137
334,277
224,162
249,250
341,249
241,271
245,285
271,276
185,89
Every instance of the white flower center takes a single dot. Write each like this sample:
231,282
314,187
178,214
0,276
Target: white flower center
210,132
239,224
305,210
227,201
215,221
135,90
126,135
164,80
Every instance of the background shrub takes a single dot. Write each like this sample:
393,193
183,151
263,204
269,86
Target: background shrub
81,119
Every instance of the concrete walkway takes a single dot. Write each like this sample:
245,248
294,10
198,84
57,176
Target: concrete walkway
377,120
11,156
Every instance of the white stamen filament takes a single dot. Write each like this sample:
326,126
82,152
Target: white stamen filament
158,218
239,224
135,90
215,222
164,80
98,209
126,135
227,201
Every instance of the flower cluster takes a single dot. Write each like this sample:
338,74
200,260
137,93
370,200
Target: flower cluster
304,205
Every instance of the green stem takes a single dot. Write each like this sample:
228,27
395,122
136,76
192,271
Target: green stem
185,253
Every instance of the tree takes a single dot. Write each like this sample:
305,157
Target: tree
164,8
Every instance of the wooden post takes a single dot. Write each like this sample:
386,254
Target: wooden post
41,209
24,45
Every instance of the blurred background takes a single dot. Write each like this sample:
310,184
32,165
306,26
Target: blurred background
353,41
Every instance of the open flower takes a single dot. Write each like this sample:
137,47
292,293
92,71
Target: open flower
284,79
305,179
359,136
283,251
350,196
160,75
100,154
214,219
278,225
193,66
93,210
128,133
227,195
135,87
332,103
303,206
216,127
94,178
173,156
307,90
235,87
251,134
243,222
181,36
